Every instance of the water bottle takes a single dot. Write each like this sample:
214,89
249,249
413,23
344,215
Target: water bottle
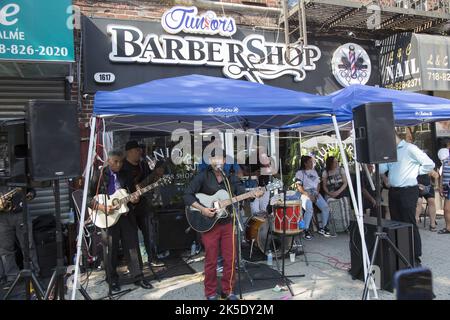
193,249
269,258
301,224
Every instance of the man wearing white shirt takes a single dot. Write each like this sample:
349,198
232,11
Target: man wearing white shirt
404,190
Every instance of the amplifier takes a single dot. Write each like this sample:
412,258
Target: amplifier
400,233
173,231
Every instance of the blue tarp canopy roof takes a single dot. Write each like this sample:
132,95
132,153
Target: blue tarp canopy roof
167,104
409,108
171,103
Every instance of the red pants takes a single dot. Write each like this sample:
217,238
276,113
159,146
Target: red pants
220,235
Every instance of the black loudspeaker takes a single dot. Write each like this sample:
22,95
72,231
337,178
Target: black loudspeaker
401,235
53,139
173,231
374,133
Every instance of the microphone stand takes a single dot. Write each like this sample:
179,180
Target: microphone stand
283,275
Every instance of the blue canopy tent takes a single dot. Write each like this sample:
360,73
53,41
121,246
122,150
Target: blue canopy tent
167,104
409,108
175,103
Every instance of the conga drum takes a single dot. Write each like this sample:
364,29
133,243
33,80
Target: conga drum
293,217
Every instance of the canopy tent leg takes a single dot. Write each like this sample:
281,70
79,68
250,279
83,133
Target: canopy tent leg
360,218
358,213
83,206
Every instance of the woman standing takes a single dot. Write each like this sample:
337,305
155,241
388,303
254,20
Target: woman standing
444,189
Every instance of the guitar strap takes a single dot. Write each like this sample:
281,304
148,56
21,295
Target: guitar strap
271,194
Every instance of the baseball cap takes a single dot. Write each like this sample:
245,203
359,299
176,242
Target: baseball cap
443,154
131,145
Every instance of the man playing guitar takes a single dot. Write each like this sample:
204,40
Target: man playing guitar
107,181
209,182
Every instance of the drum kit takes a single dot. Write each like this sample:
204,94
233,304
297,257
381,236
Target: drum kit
266,230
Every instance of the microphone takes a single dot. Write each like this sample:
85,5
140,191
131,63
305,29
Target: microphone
219,167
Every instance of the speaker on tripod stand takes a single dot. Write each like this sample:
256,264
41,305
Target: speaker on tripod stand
53,139
376,143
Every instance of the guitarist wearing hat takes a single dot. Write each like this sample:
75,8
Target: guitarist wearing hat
106,182
209,182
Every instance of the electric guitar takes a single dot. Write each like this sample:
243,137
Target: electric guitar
219,201
120,198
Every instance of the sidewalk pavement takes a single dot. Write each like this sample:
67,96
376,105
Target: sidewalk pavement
326,276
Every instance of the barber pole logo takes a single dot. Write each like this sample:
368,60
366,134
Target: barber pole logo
351,65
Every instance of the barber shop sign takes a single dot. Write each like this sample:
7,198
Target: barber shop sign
252,58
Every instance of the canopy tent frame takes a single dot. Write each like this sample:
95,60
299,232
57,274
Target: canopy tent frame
185,92
88,171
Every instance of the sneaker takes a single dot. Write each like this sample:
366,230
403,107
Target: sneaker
163,255
232,296
214,297
157,263
307,235
145,284
324,233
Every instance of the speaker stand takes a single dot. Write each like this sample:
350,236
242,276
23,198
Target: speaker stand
380,236
27,274
56,284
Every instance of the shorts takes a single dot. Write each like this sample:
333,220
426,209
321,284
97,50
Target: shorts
429,194
446,193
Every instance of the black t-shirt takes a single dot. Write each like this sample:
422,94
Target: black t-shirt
206,182
134,173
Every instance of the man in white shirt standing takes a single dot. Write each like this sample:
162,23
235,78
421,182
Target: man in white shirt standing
404,190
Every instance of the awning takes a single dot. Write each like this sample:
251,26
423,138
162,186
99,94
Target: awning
416,62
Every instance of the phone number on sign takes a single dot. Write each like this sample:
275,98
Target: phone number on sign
436,76
31,50
404,84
